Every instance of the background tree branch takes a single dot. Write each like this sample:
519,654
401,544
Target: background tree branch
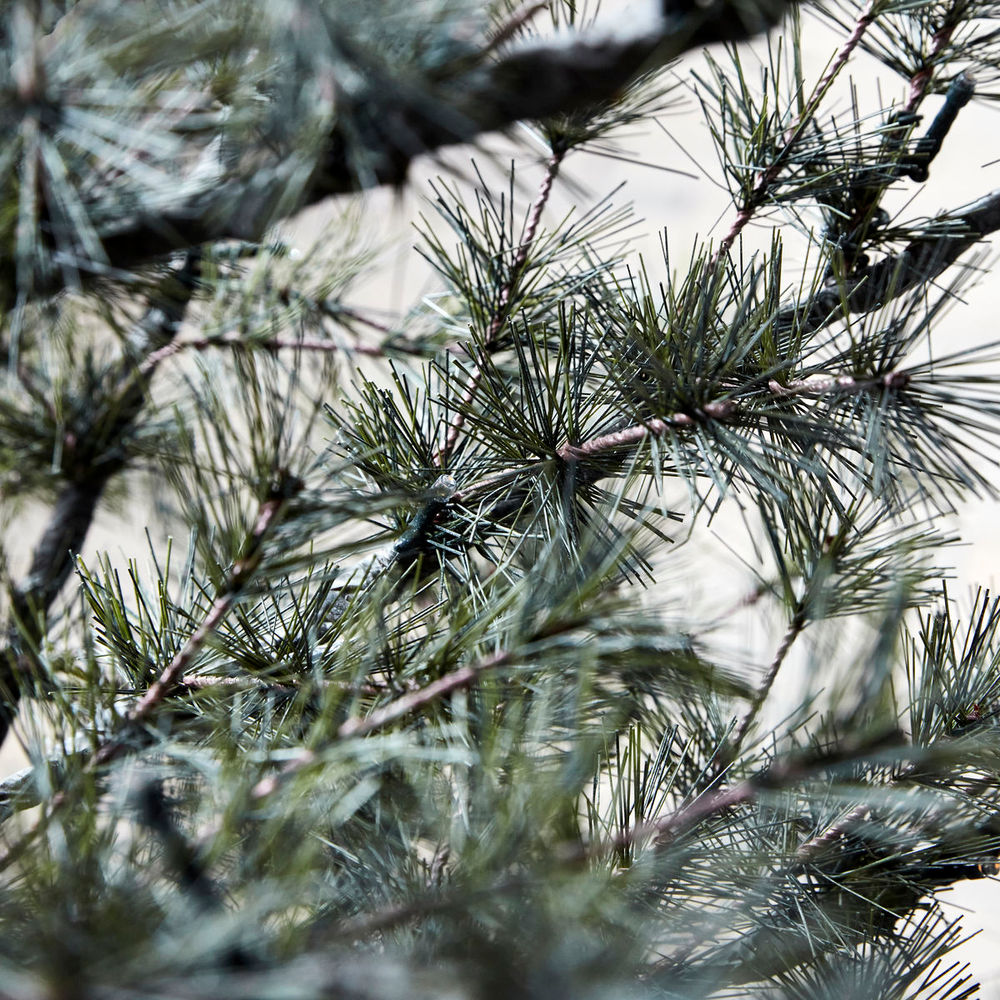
93,456
237,194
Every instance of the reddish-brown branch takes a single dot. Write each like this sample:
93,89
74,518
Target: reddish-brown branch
410,702
814,846
768,176
821,385
720,410
240,343
502,312
667,828
393,712
267,516
921,80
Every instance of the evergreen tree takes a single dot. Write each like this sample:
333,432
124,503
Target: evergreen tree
405,697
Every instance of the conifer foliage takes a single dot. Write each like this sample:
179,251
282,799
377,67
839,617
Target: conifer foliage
406,696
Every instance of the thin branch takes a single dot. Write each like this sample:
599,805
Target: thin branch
502,313
729,753
668,828
821,385
767,177
404,705
413,700
267,517
629,437
74,508
723,410
815,846
794,630
921,80
239,343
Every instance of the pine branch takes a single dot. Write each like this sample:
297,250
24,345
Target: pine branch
589,457
268,515
109,750
863,209
477,760
927,256
238,342
406,704
502,313
766,178
921,80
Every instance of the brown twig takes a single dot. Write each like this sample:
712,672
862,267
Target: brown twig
503,306
721,410
767,177
240,343
411,701
921,80
267,517
628,437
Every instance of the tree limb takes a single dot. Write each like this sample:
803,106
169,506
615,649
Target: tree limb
918,264
526,79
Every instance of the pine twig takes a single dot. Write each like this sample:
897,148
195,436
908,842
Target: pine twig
921,80
629,437
413,700
723,410
267,518
794,630
360,726
172,676
502,313
768,176
239,343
